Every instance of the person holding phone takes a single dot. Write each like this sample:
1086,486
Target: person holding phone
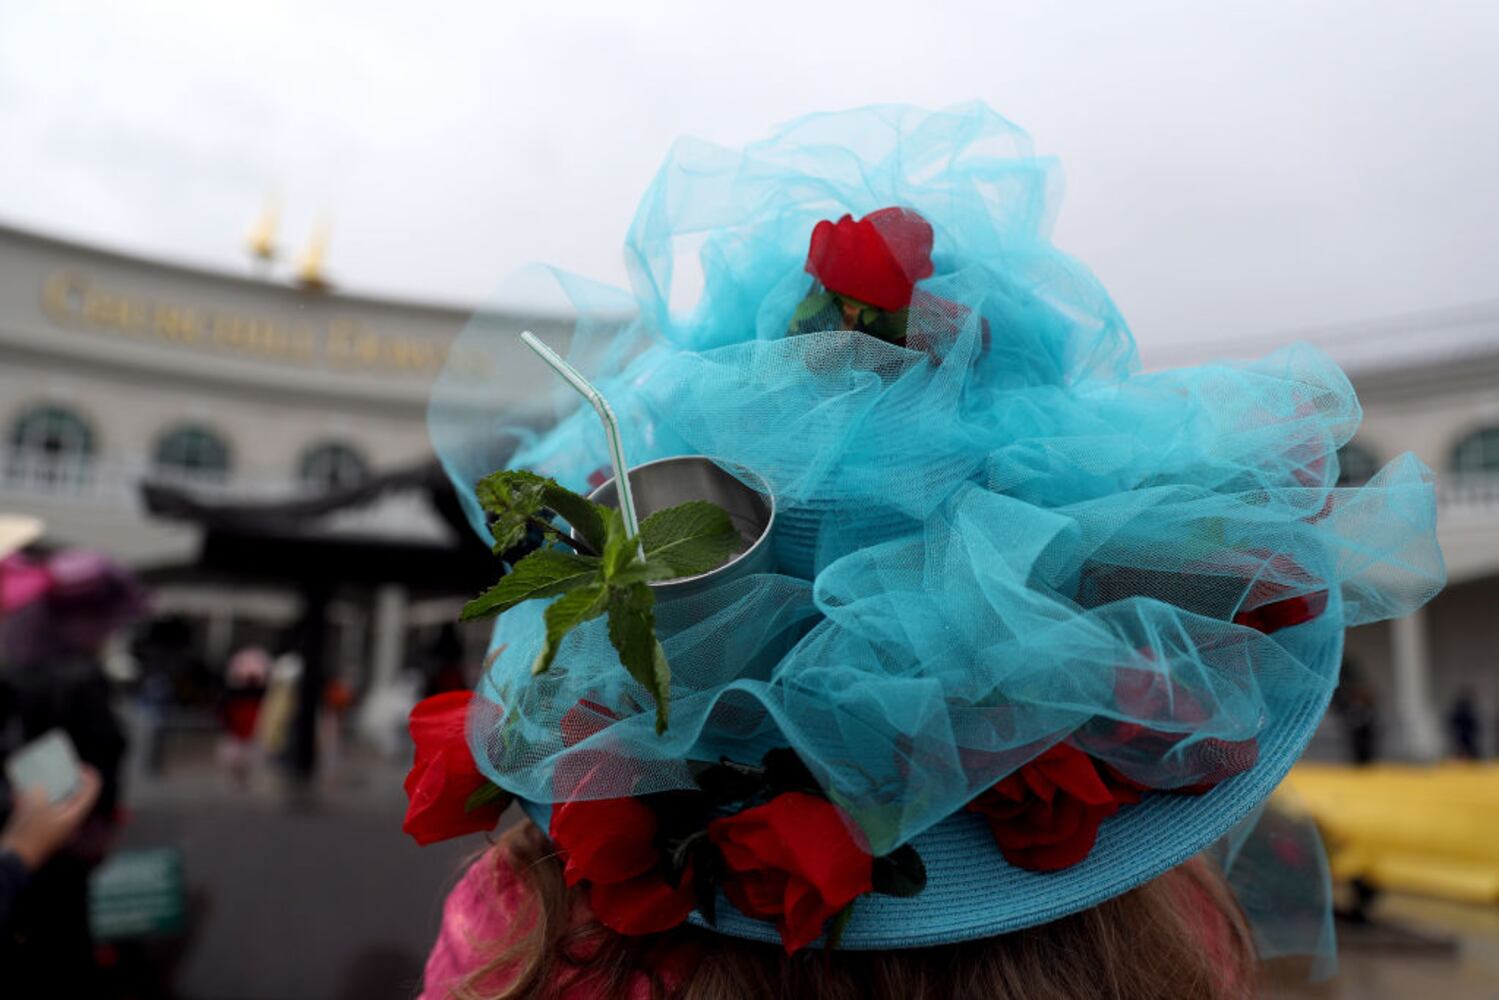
38,827
52,680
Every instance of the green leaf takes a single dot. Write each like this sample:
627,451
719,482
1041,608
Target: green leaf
619,548
515,496
811,306
543,573
484,795
642,572
690,538
632,630
839,925
565,614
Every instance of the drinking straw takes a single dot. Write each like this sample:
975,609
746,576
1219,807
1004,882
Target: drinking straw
600,405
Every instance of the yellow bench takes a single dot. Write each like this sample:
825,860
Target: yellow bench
1429,830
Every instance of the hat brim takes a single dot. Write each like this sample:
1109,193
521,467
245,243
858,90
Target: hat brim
973,892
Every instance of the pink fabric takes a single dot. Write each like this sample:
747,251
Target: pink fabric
22,581
488,905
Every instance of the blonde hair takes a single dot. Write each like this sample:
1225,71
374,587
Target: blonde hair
1156,942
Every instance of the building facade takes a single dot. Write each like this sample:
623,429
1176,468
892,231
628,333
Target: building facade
112,367
1428,384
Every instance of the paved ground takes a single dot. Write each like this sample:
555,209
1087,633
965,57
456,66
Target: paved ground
1419,949
322,899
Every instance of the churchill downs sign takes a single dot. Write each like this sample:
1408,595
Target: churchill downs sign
71,299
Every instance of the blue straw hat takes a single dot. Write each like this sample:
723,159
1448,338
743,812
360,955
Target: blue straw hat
1000,534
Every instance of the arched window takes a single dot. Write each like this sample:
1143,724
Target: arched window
1478,453
193,450
50,447
332,465
1356,465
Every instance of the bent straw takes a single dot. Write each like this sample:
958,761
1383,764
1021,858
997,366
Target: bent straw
600,405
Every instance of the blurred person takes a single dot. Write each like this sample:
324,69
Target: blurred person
273,723
1354,704
22,579
1463,725
337,702
52,678
245,680
36,830
170,672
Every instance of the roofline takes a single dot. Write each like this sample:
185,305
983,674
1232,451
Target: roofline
1473,311
1330,336
11,230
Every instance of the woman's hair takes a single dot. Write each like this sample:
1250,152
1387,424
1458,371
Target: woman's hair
1179,937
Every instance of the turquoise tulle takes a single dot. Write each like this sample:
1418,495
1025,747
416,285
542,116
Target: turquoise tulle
998,536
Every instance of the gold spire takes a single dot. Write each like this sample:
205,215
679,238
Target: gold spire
311,274
262,238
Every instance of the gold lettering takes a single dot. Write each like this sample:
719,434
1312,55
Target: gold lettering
62,296
70,298
303,342
178,324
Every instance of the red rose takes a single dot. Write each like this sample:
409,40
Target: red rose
585,719
1046,815
444,774
1283,594
1152,695
877,260
1281,614
611,845
793,860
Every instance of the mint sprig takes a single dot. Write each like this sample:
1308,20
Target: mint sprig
604,574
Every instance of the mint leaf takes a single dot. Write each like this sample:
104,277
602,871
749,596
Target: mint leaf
515,497
619,547
642,572
632,630
609,576
565,614
690,538
543,573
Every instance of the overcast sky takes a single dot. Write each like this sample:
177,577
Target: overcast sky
1233,168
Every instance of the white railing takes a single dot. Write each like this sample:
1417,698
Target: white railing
65,479
1469,494
116,485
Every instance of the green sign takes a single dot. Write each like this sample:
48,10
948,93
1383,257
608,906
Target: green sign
138,894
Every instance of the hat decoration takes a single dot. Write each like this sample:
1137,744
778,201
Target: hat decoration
1038,626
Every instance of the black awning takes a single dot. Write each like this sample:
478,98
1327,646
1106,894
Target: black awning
332,539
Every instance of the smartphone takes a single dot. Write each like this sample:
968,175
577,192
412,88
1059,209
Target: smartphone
49,762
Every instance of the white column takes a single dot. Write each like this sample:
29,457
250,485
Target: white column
1420,736
220,635
389,646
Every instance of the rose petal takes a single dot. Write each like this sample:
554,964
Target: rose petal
644,905
605,840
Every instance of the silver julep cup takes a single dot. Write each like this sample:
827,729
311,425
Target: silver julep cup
743,493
